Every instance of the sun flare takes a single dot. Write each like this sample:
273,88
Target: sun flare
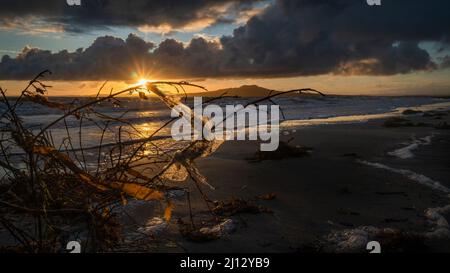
143,81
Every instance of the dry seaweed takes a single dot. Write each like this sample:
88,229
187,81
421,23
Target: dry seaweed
36,199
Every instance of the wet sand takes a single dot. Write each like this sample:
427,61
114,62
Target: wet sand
330,190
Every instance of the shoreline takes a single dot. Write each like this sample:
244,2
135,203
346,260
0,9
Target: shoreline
364,117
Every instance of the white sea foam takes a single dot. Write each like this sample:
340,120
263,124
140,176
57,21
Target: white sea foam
407,151
345,111
355,240
419,178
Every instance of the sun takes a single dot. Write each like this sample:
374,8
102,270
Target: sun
143,81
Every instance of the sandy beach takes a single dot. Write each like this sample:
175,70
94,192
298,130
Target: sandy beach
357,175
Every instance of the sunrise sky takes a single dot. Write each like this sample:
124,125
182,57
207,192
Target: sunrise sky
341,47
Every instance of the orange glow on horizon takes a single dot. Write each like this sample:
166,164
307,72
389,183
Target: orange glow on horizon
425,83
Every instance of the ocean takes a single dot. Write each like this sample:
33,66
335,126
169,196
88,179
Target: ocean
131,118
146,116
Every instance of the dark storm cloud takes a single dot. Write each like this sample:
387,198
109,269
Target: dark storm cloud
307,37
302,37
105,13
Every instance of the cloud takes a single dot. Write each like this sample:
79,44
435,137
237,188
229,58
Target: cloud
108,57
312,37
148,15
114,58
245,14
288,38
192,26
30,26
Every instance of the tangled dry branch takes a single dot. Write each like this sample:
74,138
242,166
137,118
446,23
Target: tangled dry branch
49,191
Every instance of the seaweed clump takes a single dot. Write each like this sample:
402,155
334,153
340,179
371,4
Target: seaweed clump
52,192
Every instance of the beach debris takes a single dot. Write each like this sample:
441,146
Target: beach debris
54,179
155,226
285,150
411,112
236,206
207,233
182,165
